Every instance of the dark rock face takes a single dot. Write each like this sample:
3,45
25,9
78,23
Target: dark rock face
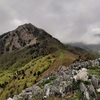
18,38
24,36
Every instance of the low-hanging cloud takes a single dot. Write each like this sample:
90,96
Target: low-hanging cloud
67,20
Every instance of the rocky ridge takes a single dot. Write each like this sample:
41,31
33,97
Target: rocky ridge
23,36
18,38
66,80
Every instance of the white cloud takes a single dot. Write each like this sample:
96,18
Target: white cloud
95,30
16,22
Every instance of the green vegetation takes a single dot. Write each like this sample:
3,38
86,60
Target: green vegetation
21,74
77,96
86,82
41,85
75,85
94,71
60,53
38,97
24,77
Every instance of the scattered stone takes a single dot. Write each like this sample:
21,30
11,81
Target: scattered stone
98,90
9,99
92,91
95,81
82,75
66,79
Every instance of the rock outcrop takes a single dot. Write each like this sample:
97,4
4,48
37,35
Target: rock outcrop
66,80
24,36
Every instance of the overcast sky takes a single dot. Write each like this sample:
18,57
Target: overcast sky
67,20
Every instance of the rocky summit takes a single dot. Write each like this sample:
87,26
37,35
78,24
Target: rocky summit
23,36
78,81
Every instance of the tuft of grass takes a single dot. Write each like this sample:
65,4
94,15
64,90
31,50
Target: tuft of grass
87,82
41,85
77,96
95,71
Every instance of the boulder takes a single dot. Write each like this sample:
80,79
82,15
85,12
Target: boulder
10,99
82,75
86,96
95,81
83,87
84,91
46,91
62,68
16,97
54,91
98,90
92,92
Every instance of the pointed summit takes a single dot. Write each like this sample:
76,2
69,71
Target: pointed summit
24,36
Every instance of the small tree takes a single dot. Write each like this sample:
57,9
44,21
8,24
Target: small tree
34,74
25,86
38,73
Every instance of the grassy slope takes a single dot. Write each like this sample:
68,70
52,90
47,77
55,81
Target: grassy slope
83,54
32,72
25,75
27,69
21,69
62,58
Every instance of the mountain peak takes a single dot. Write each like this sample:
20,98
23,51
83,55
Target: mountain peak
30,29
27,25
23,36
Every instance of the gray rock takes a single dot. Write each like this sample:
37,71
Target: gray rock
46,91
86,96
84,91
10,99
95,81
98,90
83,87
92,92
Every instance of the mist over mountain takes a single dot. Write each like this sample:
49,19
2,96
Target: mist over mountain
89,47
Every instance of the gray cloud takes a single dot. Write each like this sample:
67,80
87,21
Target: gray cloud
67,20
97,35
